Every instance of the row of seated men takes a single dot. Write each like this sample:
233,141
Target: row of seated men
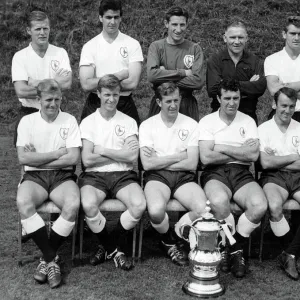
179,60
170,144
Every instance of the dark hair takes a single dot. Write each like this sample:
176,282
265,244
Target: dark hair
106,5
292,20
36,15
228,84
176,11
235,22
48,86
290,93
108,81
166,89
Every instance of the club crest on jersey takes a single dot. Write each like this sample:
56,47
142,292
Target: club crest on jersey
188,61
242,132
64,133
295,141
183,134
124,52
54,65
119,130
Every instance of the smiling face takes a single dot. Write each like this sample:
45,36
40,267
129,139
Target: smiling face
235,39
170,104
292,38
229,102
50,104
285,109
111,20
176,29
109,99
39,32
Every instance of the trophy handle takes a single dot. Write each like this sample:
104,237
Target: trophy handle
184,232
228,234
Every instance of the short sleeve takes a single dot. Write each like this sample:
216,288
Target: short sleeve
204,131
18,70
270,67
194,138
251,130
136,53
145,136
74,138
132,129
263,138
65,63
23,132
86,130
87,57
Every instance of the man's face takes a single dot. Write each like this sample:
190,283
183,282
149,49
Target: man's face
50,103
111,20
292,37
229,102
39,32
176,29
235,39
109,98
170,104
285,108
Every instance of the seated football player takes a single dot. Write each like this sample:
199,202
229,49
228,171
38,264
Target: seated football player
228,142
48,147
110,147
279,157
169,154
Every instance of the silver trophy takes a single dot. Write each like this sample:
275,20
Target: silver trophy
205,255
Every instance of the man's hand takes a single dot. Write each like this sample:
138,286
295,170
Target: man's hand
162,67
123,74
255,77
148,151
270,151
29,148
188,72
218,148
251,142
62,73
131,145
33,82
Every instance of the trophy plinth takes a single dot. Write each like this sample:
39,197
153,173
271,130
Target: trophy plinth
204,257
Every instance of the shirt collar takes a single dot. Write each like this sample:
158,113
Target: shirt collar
225,55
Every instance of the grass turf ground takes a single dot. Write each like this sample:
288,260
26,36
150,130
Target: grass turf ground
73,23
154,278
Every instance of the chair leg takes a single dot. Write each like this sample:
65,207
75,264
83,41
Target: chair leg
74,232
141,239
81,223
261,243
249,246
134,244
19,241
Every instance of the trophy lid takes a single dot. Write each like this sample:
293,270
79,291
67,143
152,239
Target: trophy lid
207,222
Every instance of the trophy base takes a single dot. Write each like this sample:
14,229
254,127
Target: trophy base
203,288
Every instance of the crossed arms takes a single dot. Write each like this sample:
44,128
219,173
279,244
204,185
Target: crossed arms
215,154
58,159
97,156
186,160
129,77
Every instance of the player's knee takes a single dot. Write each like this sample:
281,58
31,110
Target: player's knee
275,208
138,206
25,205
258,207
156,213
219,203
90,207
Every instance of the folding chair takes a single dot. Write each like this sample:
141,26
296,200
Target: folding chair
48,207
108,205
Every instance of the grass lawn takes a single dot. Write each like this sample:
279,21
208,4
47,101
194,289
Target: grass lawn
154,278
73,23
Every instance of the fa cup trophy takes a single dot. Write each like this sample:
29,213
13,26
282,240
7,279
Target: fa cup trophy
205,255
